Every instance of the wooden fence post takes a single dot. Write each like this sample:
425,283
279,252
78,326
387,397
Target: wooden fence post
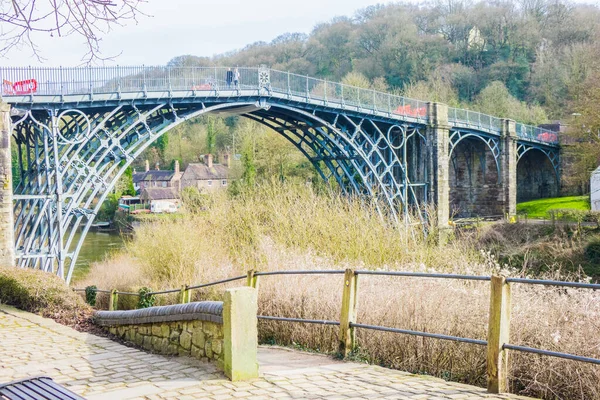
184,295
252,280
113,301
347,337
498,335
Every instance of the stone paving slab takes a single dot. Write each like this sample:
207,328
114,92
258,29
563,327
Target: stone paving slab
98,368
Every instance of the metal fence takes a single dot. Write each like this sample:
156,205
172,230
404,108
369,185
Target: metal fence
210,81
473,120
498,338
536,134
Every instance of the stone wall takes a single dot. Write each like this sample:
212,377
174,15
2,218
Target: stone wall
475,189
199,339
7,243
192,329
225,332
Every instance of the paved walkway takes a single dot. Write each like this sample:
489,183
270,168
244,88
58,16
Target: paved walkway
98,368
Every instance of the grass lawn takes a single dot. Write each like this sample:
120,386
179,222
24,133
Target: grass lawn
539,208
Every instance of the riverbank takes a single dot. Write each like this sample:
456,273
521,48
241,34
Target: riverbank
97,246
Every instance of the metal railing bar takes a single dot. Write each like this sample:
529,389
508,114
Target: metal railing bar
237,278
129,293
309,272
418,333
306,321
581,285
552,353
163,292
425,275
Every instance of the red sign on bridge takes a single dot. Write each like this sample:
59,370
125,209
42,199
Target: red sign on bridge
19,88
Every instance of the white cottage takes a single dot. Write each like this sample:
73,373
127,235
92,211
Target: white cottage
595,190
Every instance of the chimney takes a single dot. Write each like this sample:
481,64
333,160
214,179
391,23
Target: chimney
227,159
208,160
157,167
146,166
176,166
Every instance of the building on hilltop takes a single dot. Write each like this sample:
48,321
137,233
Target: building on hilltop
157,178
161,199
207,176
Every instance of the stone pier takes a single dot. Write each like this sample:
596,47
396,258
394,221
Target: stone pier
509,166
438,139
470,181
7,247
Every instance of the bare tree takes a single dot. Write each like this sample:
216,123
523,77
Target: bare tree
88,19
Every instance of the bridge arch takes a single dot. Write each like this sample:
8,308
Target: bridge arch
78,156
537,173
475,175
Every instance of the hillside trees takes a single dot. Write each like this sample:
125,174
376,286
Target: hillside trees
529,60
584,153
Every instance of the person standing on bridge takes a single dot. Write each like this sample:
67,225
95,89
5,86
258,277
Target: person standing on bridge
229,78
236,78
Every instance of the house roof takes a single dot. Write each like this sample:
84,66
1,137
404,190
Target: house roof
160,193
158,175
202,172
138,177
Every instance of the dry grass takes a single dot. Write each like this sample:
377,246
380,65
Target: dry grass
289,228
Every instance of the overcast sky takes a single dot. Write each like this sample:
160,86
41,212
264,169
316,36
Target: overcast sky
197,27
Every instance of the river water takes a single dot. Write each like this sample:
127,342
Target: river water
96,247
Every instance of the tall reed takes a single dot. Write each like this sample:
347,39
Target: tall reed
291,227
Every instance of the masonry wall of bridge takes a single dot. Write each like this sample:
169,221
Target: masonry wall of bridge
476,186
536,177
470,180
7,242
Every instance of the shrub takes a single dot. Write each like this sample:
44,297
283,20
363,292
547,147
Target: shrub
592,252
90,295
145,299
43,293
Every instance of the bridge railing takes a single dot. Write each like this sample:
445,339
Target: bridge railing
345,96
474,120
498,333
536,134
35,81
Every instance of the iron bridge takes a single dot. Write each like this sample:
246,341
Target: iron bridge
78,129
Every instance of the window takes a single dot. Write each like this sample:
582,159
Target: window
164,184
209,183
224,182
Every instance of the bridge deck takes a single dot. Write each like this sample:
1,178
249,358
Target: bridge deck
98,368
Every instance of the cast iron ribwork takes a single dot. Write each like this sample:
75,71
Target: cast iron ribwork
79,130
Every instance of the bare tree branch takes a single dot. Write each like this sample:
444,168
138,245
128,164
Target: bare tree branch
88,19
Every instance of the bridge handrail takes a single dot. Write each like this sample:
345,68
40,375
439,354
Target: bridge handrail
474,120
497,338
34,81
